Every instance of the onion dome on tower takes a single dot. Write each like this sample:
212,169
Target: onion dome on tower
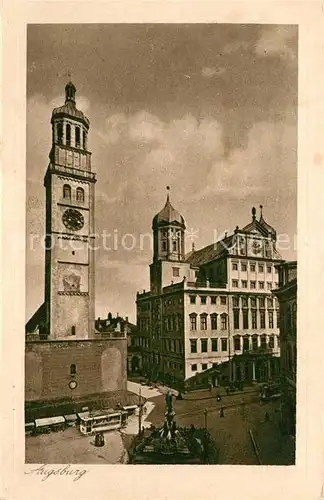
168,231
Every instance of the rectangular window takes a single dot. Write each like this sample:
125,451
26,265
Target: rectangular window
204,366
243,267
224,344
270,317
213,318
176,271
245,302
192,299
252,268
234,266
254,342
193,345
262,319
252,284
203,322
244,284
271,341
235,283
213,300
269,285
262,302
237,343
223,322
261,268
254,319
246,343
196,274
223,301
270,303
203,299
269,269
253,302
214,345
261,285
236,302
263,342
194,368
236,314
204,345
278,319
193,322
245,320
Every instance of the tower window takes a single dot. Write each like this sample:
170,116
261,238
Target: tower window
68,134
73,369
174,246
80,194
59,133
77,137
164,246
67,191
73,330
84,140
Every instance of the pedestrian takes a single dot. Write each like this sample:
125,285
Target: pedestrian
218,397
221,413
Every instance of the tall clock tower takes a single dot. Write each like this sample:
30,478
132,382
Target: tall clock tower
69,255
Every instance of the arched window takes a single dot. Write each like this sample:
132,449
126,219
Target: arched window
80,194
73,330
84,140
67,191
59,133
174,245
68,134
73,369
77,137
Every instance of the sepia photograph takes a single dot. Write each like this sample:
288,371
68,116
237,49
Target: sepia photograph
161,244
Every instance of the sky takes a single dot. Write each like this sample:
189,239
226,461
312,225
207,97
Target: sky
207,109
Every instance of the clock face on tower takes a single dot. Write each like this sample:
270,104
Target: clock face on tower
73,219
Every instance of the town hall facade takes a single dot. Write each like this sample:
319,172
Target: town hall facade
211,310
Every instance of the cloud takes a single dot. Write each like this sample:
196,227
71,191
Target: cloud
208,72
278,40
232,47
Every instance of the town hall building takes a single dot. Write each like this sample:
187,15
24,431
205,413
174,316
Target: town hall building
65,356
211,310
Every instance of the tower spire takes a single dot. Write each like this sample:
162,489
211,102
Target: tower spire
261,215
168,193
70,91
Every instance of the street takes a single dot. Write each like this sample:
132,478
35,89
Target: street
243,412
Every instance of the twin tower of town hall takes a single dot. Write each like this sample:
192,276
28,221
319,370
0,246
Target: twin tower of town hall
204,308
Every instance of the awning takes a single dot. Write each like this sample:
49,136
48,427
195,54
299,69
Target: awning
41,422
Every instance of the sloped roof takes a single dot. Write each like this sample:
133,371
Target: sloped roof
70,109
210,252
37,318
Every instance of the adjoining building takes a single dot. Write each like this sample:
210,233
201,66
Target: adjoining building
287,296
210,308
65,358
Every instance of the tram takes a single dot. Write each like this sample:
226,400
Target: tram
101,421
